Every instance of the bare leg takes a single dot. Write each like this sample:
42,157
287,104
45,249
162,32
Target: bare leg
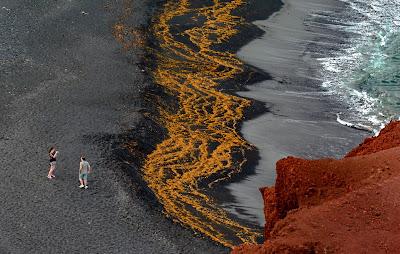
85,182
53,171
49,174
82,183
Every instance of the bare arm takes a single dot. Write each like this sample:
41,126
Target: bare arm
53,155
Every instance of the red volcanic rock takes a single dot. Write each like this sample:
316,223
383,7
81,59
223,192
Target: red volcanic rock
389,137
336,206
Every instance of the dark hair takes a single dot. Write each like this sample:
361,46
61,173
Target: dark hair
51,149
83,158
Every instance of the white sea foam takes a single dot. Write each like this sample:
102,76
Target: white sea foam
370,28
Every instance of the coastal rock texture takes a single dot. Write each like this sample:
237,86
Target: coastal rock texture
336,206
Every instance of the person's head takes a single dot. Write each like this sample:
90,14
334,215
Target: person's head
52,149
83,158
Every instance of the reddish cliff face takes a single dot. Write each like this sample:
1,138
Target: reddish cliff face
336,206
389,137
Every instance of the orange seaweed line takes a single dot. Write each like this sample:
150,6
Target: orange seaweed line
202,135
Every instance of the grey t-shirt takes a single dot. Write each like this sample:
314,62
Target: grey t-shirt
84,167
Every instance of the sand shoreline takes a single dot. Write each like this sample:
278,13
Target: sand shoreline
301,120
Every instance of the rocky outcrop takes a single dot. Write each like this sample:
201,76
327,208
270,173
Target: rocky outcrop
388,138
336,206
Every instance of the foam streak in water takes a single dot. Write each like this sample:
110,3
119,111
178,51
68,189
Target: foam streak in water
364,72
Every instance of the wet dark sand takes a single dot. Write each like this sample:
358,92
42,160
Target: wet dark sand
302,118
65,81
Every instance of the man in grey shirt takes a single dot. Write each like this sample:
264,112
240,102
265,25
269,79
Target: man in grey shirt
84,170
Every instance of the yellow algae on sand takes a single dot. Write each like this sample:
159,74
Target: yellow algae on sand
129,36
202,134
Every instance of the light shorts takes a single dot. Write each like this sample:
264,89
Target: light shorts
83,176
53,164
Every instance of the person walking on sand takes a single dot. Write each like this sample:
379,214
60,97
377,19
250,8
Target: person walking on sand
84,170
53,159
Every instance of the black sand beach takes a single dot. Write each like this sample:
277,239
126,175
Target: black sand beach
65,81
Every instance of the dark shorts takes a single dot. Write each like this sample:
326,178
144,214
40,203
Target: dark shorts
83,176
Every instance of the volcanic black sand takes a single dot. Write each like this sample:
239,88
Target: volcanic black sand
65,81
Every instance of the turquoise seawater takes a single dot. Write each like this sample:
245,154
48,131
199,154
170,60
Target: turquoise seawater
364,72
